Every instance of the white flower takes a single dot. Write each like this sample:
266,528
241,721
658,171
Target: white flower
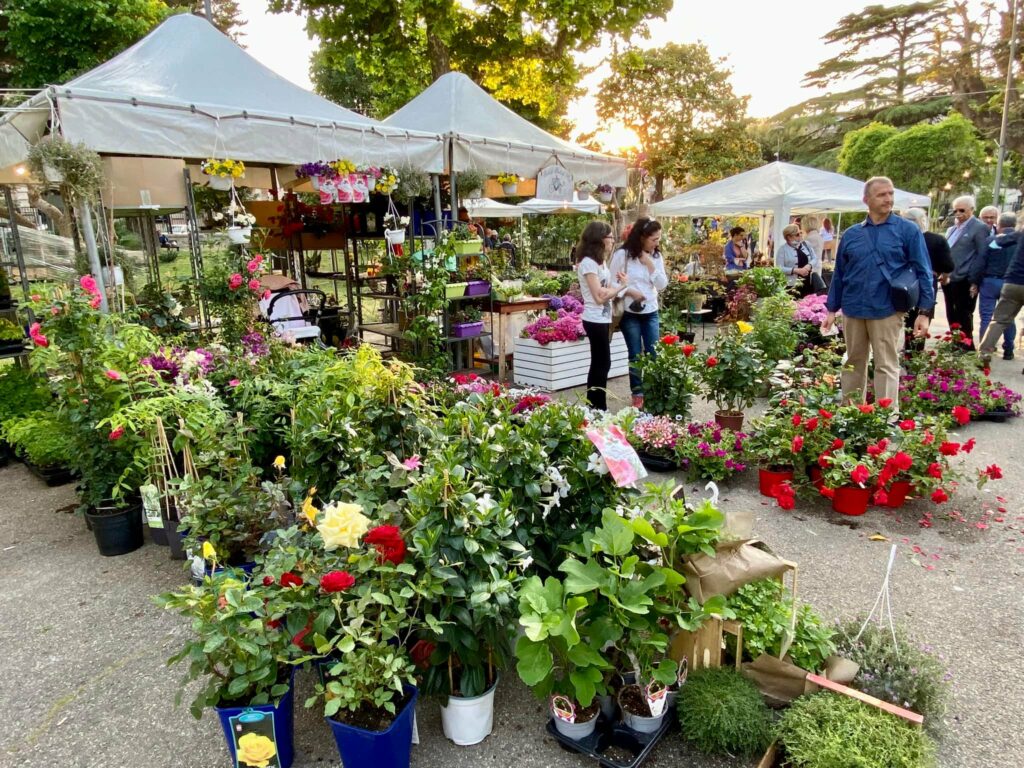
526,562
597,464
218,216
485,504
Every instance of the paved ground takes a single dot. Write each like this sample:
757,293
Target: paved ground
84,648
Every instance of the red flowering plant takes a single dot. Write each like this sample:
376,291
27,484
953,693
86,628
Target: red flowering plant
733,371
469,565
668,377
784,437
844,468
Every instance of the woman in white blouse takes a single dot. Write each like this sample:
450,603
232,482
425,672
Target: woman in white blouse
641,262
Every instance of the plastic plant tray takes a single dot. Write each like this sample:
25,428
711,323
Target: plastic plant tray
608,735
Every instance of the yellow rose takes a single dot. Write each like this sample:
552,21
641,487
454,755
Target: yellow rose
279,462
255,750
309,511
342,525
744,326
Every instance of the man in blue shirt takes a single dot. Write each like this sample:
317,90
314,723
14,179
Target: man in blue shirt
862,292
736,254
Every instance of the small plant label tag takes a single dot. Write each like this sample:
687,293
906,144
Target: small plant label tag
623,462
151,505
563,709
684,670
656,697
254,740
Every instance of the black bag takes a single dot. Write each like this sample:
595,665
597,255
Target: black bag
904,288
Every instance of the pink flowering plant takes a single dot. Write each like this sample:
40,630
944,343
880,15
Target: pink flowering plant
231,288
656,435
811,309
561,322
708,451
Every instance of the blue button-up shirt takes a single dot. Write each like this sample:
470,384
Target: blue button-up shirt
858,286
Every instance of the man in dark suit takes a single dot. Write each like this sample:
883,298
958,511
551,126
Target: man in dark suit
968,238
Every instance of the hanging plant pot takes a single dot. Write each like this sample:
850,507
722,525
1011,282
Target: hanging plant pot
510,188
239,235
632,699
221,183
583,194
390,748
118,529
469,721
851,500
394,236
475,194
730,419
585,718
897,494
769,477
606,197
272,727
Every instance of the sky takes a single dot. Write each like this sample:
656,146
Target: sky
768,46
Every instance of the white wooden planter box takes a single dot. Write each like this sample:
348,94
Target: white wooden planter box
562,364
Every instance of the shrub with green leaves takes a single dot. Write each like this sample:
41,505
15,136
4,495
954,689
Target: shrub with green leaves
722,712
41,437
827,730
766,281
21,392
898,672
774,332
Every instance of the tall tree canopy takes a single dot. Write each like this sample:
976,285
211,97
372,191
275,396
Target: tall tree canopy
521,51
51,41
679,102
857,156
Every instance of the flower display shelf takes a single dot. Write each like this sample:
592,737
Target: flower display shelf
467,330
478,288
562,364
608,736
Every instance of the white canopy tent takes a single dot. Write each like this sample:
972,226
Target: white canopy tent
486,135
187,91
779,190
536,205
485,208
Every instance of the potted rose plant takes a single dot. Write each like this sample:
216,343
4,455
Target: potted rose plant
668,377
732,374
849,480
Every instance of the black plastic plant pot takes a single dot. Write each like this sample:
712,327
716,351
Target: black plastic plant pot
657,463
118,530
613,745
52,475
175,533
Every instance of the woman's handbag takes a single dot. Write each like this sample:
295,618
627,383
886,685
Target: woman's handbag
618,310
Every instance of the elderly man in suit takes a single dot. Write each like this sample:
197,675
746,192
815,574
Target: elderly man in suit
968,238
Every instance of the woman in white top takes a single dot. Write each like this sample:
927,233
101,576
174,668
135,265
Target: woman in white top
644,268
598,290
813,237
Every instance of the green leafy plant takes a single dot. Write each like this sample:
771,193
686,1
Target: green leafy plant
766,281
722,712
40,436
896,670
668,378
21,392
80,167
774,332
827,730
413,184
733,370
469,181
10,332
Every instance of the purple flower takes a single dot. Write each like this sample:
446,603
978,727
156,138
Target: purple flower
255,344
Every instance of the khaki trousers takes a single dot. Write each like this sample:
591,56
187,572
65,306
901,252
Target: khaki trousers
884,339
1011,299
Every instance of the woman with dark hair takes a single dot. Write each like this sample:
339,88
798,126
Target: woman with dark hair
598,290
640,260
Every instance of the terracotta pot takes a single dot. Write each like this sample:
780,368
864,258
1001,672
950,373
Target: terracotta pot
767,479
897,494
851,500
730,419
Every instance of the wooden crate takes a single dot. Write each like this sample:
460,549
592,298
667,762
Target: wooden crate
703,647
562,364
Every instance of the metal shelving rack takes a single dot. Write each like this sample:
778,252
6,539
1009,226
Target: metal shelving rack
18,262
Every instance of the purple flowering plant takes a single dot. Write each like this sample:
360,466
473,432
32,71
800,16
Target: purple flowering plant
708,451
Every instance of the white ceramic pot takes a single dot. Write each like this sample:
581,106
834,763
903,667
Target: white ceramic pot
605,197
510,189
239,235
575,731
469,721
395,236
221,183
583,194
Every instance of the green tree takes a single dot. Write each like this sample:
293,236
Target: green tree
227,16
679,102
373,88
929,155
857,155
522,52
51,41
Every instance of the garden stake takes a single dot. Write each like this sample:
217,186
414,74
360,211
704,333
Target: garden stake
883,604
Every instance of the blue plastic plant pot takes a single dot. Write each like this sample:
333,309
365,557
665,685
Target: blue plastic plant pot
380,749
283,715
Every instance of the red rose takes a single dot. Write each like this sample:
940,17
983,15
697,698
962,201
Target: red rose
824,414
968,446
837,444
903,461
689,349
881,497
387,540
908,425
712,361
421,652
336,581
784,495
823,461
860,474
939,496
116,434
885,402
289,579
935,470
929,438
811,424
828,493
875,450
961,414
797,444
954,326
866,408
670,338
949,449
268,580
797,419
993,471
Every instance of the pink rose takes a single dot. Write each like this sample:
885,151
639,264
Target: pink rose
95,302
234,383
254,264
113,375
266,295
235,281
88,283
254,285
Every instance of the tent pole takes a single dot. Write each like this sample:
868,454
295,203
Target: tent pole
437,198
451,182
89,235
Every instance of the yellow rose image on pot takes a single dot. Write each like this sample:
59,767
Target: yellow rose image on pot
255,750
342,525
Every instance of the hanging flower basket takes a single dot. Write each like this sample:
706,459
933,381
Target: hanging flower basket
605,197
395,236
221,183
221,174
239,235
